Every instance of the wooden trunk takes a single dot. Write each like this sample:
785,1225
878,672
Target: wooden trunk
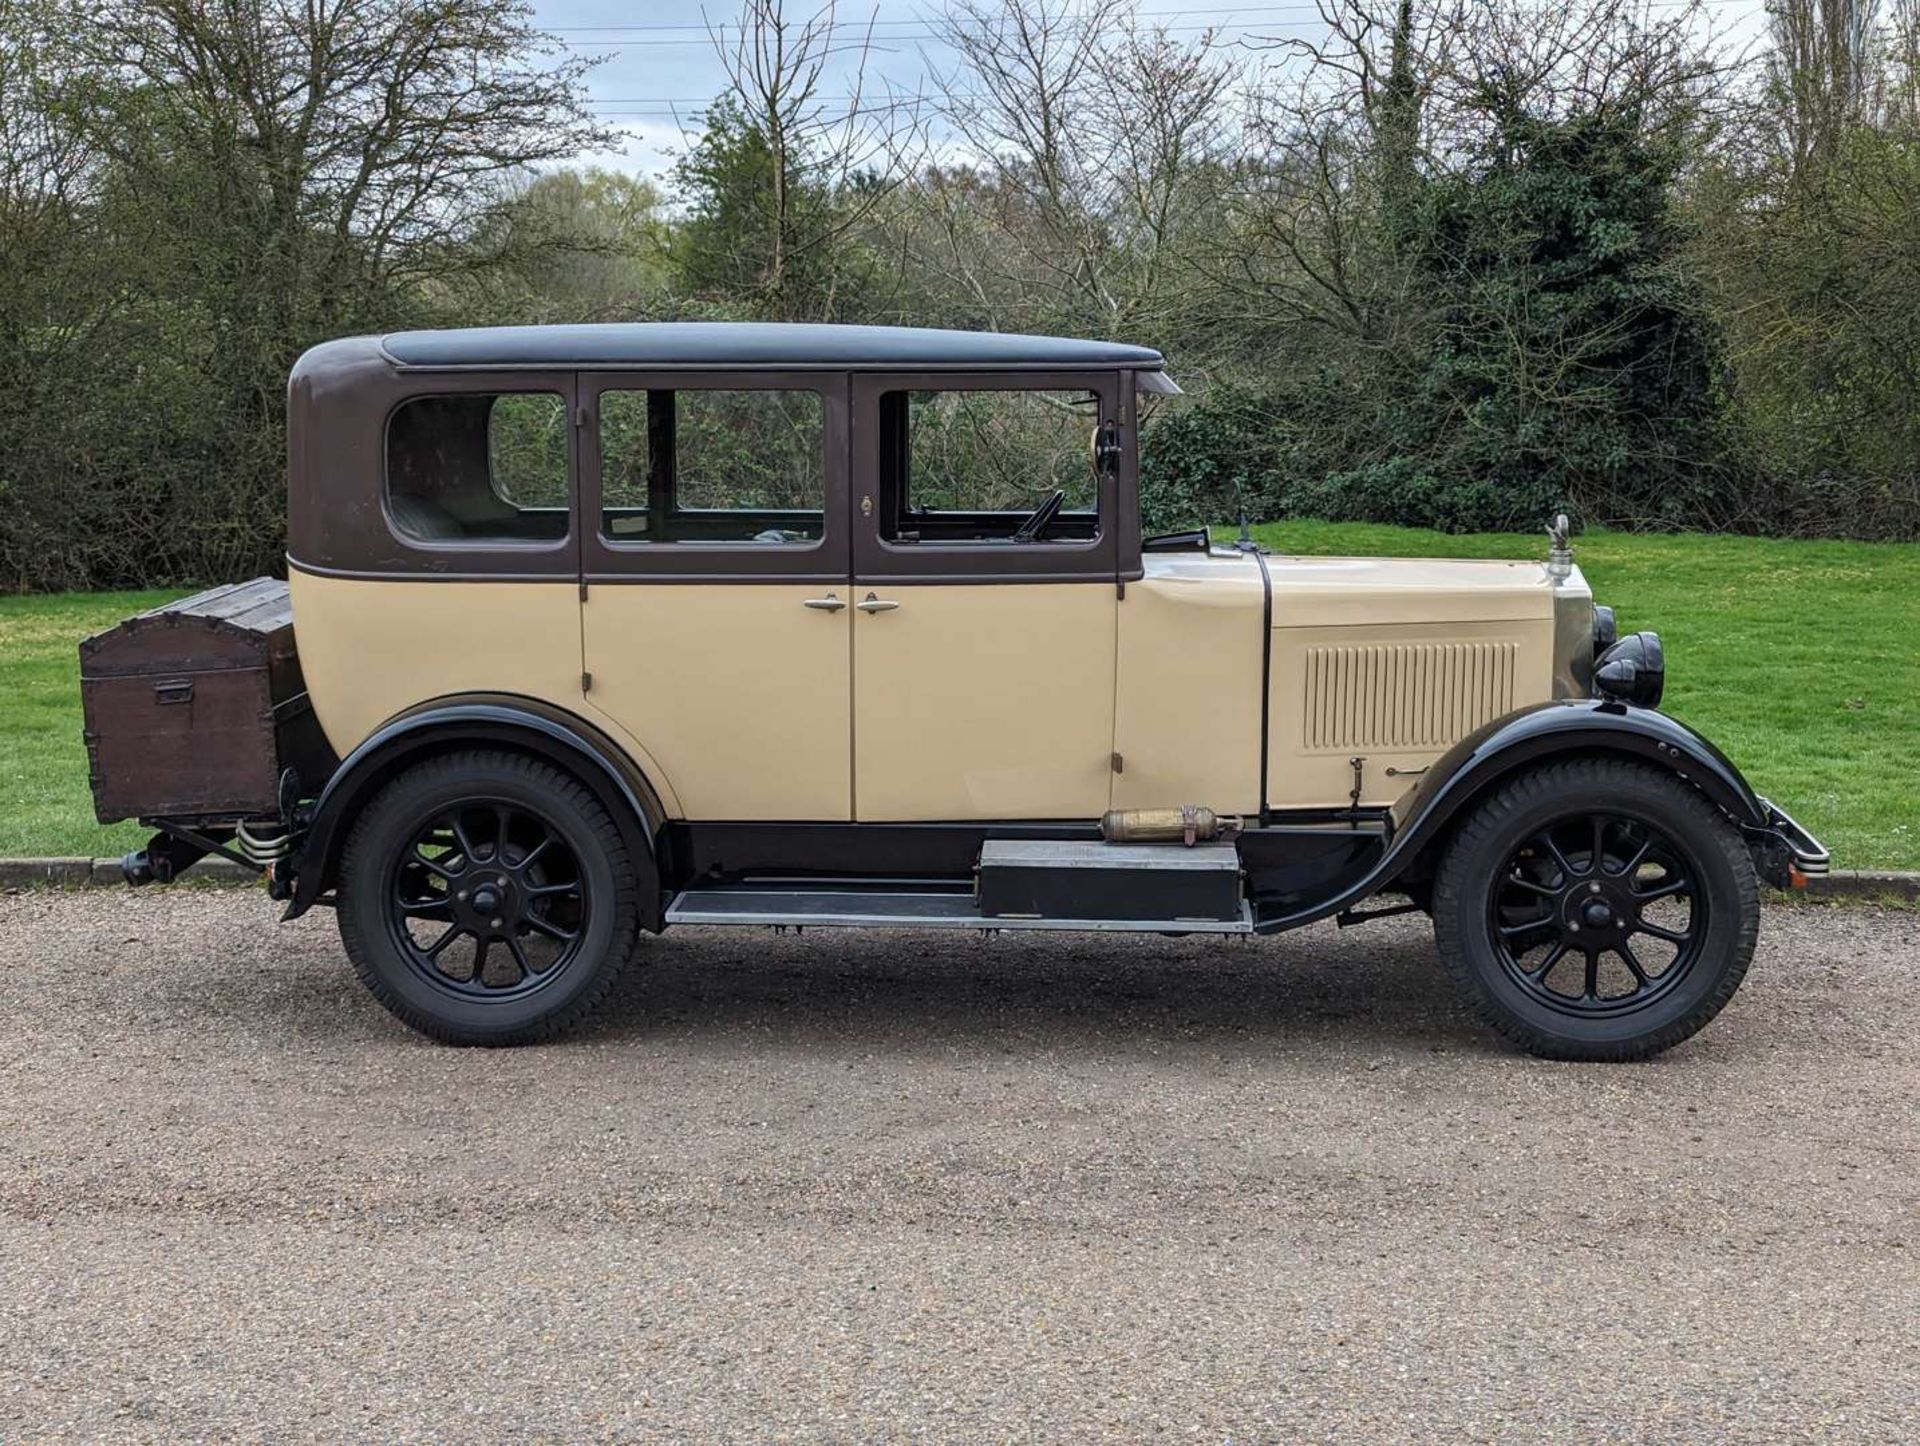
194,710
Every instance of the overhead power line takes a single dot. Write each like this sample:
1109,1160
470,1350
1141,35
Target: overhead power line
705,40
699,35
701,31
854,24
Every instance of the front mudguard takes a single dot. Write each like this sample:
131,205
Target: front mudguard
1563,728
1571,727
1785,854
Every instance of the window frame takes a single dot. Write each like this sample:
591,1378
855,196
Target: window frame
610,559
529,558
990,560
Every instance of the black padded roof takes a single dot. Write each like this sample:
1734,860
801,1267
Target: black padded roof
752,344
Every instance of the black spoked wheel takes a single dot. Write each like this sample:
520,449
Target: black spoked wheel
1598,914
1596,910
489,901
487,898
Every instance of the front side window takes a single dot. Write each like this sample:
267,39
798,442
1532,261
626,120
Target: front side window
479,467
713,465
989,466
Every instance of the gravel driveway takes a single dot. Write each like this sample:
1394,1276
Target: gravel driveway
840,1186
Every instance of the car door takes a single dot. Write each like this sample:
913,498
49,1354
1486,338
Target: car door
715,619
983,660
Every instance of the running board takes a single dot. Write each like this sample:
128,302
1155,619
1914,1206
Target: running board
856,909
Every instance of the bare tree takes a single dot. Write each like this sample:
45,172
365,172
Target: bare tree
1595,58
1823,72
1086,149
355,136
1169,127
252,176
43,160
1903,63
1324,223
834,150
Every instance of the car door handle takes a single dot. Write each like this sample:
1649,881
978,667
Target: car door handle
827,604
872,604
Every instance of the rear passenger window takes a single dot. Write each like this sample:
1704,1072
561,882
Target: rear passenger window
713,465
483,467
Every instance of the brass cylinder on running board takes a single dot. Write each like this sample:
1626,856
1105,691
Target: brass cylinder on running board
1189,825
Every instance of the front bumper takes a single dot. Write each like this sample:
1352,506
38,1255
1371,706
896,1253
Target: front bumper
1785,854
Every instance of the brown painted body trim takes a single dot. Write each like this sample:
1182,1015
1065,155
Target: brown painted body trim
342,394
362,574
340,400
708,579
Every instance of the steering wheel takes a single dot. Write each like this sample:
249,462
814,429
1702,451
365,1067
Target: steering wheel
1041,518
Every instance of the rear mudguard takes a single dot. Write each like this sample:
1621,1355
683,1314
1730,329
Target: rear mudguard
1565,728
482,720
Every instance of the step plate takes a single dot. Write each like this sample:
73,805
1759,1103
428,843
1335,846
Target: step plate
855,910
1123,883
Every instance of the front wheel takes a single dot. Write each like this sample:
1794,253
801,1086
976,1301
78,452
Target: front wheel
487,898
1596,910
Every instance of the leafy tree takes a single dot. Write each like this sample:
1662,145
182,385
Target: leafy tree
1571,357
254,178
784,176
571,245
1819,282
753,229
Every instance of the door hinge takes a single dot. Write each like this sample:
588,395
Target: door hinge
1120,590
586,682
1119,764
583,590
581,416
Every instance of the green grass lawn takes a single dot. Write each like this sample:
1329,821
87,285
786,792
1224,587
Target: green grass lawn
1800,659
45,808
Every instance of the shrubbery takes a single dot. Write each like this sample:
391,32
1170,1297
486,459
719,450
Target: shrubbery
1556,258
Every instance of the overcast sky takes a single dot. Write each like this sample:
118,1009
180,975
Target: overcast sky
658,66
659,70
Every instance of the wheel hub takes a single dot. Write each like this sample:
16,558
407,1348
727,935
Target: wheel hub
1594,912
493,904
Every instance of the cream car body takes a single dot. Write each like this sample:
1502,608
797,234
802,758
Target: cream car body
1044,701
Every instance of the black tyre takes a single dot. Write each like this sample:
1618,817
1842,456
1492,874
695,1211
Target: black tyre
487,898
1596,910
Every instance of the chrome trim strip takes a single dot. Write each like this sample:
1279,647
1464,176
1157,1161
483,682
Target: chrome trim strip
1009,853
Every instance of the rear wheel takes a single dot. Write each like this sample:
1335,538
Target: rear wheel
1596,910
487,898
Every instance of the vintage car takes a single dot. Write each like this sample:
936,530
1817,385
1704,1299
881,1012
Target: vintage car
591,630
